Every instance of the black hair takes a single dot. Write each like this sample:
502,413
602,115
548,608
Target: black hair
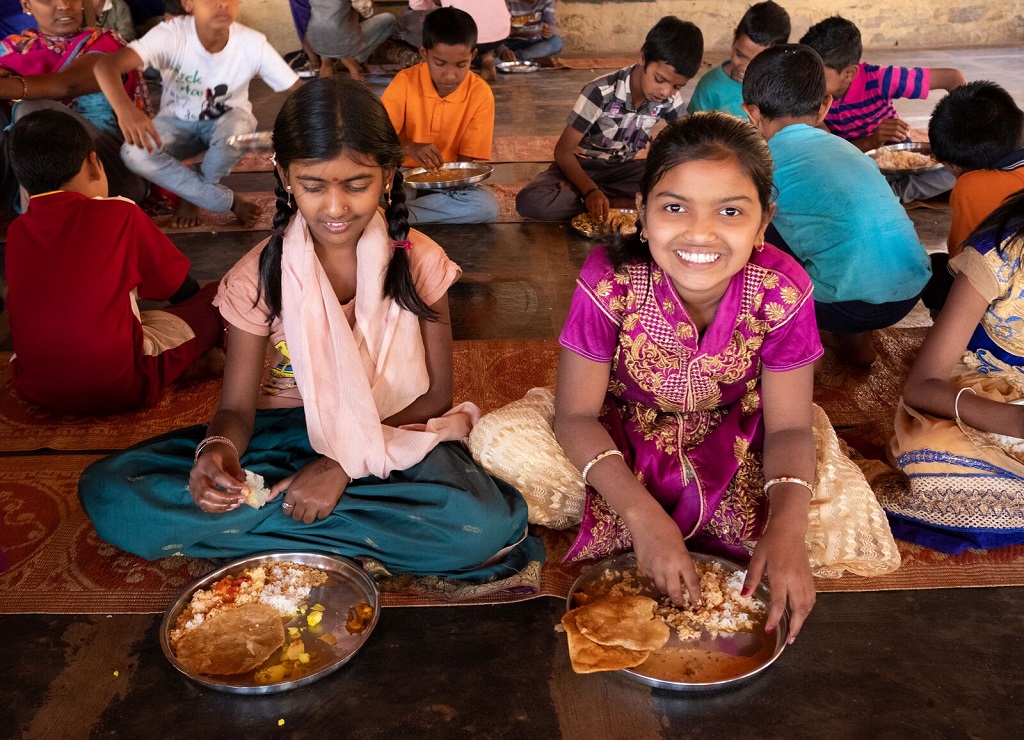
837,42
46,149
785,81
323,119
705,135
976,125
449,26
680,44
1004,225
766,24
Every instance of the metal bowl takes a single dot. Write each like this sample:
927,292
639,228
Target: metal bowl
255,140
347,585
580,223
517,67
919,147
469,173
759,648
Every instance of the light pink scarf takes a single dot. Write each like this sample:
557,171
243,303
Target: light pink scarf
352,377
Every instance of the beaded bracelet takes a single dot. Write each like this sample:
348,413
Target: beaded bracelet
213,440
788,479
956,403
596,459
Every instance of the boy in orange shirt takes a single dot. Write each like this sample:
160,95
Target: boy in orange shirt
443,112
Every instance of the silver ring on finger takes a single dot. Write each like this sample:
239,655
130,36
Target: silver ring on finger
285,506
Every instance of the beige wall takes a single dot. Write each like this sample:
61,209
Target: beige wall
619,26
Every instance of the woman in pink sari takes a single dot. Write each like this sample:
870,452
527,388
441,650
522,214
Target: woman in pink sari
686,375
53,68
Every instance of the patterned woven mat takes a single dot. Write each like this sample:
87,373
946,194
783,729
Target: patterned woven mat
58,565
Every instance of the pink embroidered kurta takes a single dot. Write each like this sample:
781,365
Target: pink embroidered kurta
685,409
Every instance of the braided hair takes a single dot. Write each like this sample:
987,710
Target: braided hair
322,120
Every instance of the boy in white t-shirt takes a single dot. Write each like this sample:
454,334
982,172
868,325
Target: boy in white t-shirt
206,61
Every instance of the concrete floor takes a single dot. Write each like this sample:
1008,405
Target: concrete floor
920,664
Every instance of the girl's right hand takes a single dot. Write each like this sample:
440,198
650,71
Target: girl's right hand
662,554
217,481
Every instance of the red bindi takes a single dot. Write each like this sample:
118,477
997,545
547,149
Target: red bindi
334,179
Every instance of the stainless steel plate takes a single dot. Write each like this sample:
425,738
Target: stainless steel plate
582,223
255,140
757,650
347,585
463,174
919,147
512,68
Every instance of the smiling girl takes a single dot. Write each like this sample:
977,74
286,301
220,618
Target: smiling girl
684,389
352,424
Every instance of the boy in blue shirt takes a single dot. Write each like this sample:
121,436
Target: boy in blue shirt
763,25
835,211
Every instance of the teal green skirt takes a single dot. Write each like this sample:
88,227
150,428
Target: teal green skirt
444,516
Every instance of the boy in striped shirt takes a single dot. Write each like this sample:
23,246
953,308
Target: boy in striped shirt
862,111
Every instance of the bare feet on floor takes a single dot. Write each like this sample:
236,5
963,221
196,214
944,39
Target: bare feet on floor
354,68
245,211
186,216
488,67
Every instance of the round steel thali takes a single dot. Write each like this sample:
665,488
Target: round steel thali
745,654
448,176
255,140
517,67
618,219
917,147
347,585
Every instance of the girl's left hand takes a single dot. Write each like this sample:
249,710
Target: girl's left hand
782,552
313,492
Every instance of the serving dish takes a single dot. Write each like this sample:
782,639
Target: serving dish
347,585
583,223
744,654
255,140
454,175
918,147
518,67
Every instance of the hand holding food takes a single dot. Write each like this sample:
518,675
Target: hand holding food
891,130
427,155
217,482
597,204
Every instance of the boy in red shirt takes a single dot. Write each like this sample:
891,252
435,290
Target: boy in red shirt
76,262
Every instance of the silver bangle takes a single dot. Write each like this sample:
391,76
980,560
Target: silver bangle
598,458
788,479
213,440
956,403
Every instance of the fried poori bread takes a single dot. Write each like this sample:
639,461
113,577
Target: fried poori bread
588,656
623,621
231,641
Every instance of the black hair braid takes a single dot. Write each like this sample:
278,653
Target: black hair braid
269,284
398,282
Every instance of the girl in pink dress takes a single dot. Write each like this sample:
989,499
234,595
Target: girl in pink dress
684,388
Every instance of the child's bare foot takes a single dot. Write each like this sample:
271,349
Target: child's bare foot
354,68
326,67
488,67
186,216
245,211
856,349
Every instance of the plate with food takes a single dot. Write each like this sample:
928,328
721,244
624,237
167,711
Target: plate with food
270,623
255,140
447,176
617,620
622,220
518,67
908,158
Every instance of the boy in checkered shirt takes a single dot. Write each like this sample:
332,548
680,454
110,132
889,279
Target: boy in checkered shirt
595,157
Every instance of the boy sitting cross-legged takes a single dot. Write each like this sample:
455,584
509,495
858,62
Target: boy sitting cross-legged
443,112
834,212
595,157
206,61
76,263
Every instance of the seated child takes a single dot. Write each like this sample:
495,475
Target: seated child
493,23
206,61
534,36
764,24
443,112
595,157
862,111
834,211
352,424
977,132
967,485
347,30
76,263
115,15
